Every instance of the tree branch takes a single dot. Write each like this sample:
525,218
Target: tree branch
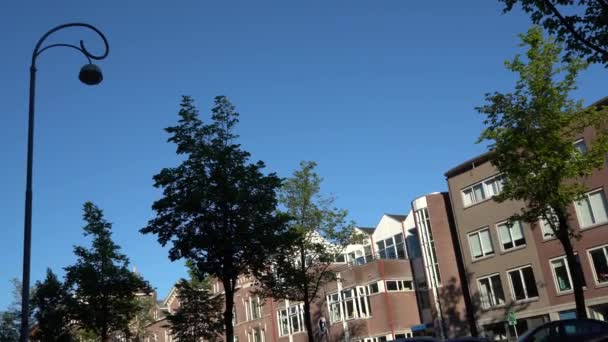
573,31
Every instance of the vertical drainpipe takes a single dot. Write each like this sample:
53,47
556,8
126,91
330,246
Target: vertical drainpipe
389,309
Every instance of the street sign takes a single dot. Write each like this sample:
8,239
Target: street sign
511,318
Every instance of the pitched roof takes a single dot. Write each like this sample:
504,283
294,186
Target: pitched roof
397,217
367,230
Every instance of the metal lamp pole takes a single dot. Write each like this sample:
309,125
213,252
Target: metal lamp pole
90,74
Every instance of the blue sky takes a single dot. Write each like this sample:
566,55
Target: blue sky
380,93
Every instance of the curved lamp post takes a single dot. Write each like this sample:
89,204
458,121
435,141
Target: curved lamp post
90,74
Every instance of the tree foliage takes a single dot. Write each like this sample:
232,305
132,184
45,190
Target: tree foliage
101,286
318,232
581,24
10,319
218,210
51,314
199,315
531,133
138,327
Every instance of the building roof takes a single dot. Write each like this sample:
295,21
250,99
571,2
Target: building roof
397,217
482,158
367,230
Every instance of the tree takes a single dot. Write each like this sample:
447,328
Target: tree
531,133
582,25
138,327
50,310
218,210
10,320
317,234
199,316
100,285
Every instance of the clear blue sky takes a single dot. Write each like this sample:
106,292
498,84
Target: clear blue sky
380,93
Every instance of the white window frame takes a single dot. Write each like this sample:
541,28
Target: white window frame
334,299
577,143
494,301
283,317
510,228
553,267
604,249
477,234
486,187
393,247
369,287
521,275
578,214
400,285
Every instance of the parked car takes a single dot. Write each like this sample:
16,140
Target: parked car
579,330
469,339
418,339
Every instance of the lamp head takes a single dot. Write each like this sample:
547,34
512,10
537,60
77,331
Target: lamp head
90,74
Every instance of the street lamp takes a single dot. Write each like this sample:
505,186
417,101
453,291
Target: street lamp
90,74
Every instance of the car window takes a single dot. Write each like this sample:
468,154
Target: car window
544,334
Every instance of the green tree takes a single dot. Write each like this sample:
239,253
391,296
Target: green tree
100,284
9,326
318,232
218,210
531,133
49,303
200,314
138,327
580,24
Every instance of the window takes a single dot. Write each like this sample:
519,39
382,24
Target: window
591,209
490,291
392,248
481,191
399,285
429,255
335,309
353,303
561,275
256,335
480,243
373,288
340,258
510,236
291,319
523,284
545,229
599,261
580,146
253,308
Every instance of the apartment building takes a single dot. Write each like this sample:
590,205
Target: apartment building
523,270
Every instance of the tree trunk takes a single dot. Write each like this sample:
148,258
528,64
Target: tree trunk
575,268
229,304
307,316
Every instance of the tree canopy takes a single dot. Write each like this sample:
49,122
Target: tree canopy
218,209
581,24
49,303
532,131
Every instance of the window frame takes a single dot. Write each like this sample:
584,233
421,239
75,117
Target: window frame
494,297
478,236
485,186
554,275
521,274
604,248
578,214
400,283
506,224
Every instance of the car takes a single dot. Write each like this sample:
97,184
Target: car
418,339
579,330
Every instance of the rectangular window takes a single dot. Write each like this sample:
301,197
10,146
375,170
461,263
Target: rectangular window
490,290
580,146
599,261
283,322
429,255
561,274
295,318
480,243
481,191
257,335
523,284
335,307
373,288
255,308
591,209
545,229
348,298
340,258
392,248
399,285
364,307
510,236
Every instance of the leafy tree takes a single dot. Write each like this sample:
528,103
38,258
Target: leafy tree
9,326
101,286
199,315
531,133
218,210
138,327
317,234
50,310
581,24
